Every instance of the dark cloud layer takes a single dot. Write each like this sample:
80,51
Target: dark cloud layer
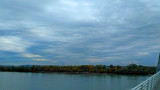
79,32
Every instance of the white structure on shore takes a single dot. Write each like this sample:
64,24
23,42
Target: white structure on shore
158,65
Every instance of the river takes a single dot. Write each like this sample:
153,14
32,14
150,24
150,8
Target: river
63,81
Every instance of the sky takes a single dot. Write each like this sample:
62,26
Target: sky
79,32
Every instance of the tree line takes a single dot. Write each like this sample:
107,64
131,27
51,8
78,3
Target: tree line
130,69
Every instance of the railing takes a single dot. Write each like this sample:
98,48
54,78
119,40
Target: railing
149,84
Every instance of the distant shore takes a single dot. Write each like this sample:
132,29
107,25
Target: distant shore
131,69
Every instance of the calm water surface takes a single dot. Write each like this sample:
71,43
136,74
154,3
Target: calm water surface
62,81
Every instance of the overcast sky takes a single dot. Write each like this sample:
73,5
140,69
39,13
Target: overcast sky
76,32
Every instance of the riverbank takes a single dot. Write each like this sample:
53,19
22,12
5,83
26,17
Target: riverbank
131,69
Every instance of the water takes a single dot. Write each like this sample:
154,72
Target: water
62,81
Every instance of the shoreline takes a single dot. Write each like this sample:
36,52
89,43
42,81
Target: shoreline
76,73
131,69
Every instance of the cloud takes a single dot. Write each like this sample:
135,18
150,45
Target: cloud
41,59
31,55
143,53
102,59
14,44
54,61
